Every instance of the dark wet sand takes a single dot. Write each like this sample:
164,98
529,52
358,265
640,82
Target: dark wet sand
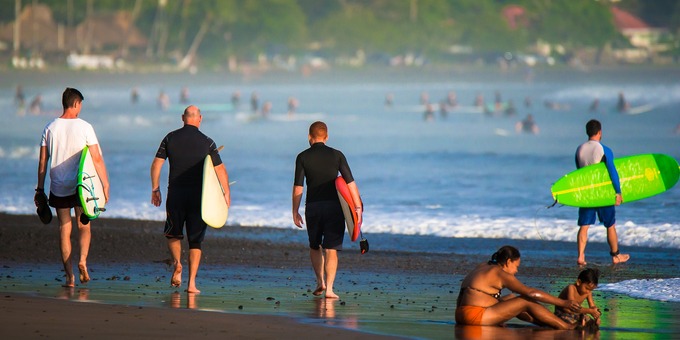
261,281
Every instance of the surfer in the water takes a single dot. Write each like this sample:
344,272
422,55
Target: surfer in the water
186,148
593,152
62,142
319,166
480,302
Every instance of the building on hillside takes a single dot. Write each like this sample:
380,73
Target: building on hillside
646,42
40,36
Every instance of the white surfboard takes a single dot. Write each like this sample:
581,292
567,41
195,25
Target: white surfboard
214,209
90,188
640,109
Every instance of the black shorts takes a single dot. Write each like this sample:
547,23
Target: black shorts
64,202
325,225
183,207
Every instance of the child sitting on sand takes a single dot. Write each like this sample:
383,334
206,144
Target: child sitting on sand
579,291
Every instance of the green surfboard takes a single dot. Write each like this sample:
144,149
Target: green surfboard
641,176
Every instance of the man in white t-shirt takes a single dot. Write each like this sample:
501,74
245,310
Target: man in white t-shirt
62,142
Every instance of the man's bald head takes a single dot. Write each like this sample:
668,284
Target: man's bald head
192,116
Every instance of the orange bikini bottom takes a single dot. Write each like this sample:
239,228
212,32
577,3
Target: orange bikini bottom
469,315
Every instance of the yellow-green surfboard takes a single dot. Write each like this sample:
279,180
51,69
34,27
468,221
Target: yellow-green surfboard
641,176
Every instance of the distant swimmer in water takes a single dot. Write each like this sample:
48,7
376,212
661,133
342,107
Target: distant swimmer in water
163,100
254,102
622,105
36,105
595,105
19,98
429,112
389,100
552,105
479,100
184,95
528,125
510,110
443,109
134,96
266,108
451,99
293,104
235,99
424,98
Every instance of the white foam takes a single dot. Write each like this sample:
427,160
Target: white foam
653,289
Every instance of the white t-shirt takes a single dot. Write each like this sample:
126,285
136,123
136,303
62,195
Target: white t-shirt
590,152
65,140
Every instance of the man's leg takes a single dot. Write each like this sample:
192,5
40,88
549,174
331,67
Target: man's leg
65,226
316,255
194,262
175,247
331,269
613,240
84,235
581,241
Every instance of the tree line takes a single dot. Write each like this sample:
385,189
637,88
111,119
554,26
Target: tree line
218,29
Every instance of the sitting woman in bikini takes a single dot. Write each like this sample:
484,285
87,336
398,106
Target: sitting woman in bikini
480,301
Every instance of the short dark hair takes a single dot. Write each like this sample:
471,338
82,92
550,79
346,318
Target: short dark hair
70,97
504,254
318,129
589,275
593,127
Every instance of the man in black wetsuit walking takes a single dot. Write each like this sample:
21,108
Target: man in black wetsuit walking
320,165
186,148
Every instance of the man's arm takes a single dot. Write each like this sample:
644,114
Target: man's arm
297,199
156,167
223,177
99,165
613,174
356,198
42,167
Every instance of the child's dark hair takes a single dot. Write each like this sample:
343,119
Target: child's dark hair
589,275
504,254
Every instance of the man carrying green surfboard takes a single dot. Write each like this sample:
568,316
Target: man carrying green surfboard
593,152
62,142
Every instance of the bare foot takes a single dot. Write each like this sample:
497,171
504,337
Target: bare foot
319,290
331,295
84,276
176,279
193,290
581,261
620,258
70,282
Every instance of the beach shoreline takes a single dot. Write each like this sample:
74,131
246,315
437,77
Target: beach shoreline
264,273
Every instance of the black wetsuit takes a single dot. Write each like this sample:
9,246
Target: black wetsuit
186,149
320,165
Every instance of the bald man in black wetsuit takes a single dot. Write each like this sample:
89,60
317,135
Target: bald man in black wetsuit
186,148
320,165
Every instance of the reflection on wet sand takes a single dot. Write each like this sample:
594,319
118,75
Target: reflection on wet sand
519,332
176,300
69,293
325,309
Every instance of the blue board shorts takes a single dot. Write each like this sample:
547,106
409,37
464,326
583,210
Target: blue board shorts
606,215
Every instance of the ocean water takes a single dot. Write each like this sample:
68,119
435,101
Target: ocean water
466,175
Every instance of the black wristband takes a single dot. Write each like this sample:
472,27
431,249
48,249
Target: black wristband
39,190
